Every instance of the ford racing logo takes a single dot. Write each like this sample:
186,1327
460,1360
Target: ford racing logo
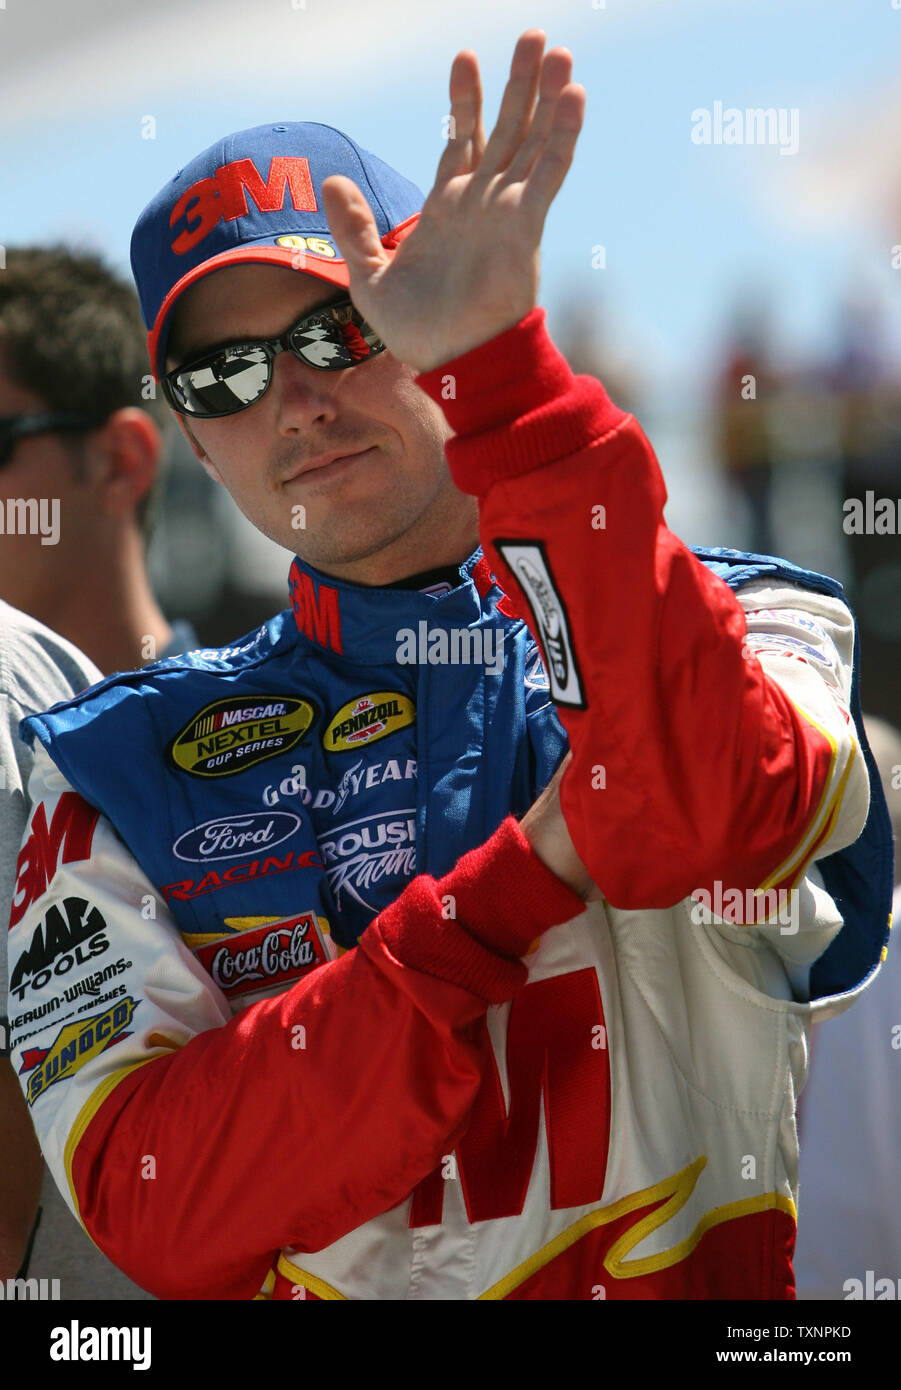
227,837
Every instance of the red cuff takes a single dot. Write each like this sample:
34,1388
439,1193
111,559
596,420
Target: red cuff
501,895
516,406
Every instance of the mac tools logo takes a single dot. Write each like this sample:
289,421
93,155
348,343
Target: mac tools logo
228,837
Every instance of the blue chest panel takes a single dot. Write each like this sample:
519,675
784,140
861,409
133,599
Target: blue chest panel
277,779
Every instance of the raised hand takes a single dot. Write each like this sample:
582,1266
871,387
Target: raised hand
469,269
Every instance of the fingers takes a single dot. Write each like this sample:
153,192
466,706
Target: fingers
352,225
556,71
466,136
556,154
516,104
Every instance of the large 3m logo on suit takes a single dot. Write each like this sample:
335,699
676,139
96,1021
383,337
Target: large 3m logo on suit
556,1044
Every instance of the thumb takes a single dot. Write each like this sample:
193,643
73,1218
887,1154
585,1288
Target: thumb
352,225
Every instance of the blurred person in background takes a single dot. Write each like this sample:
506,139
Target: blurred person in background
79,432
849,1217
743,423
589,350
81,447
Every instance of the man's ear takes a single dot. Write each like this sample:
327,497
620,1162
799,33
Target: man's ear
123,456
197,448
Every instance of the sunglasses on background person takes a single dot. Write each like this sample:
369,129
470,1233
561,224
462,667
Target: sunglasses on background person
230,378
16,427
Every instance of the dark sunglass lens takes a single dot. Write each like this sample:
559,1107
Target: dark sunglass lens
322,343
226,383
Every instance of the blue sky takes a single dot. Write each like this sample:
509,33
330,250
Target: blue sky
685,227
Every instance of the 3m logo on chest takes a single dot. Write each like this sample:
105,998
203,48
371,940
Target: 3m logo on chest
233,734
553,1033
67,839
224,196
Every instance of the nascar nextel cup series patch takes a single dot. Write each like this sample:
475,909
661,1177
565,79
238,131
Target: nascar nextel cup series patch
230,735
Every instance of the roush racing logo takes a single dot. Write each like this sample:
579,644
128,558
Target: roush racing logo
361,853
228,837
233,734
368,718
276,953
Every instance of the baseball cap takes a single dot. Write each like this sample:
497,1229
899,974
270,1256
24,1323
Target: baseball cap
257,196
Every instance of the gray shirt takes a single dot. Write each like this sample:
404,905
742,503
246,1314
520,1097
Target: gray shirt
37,669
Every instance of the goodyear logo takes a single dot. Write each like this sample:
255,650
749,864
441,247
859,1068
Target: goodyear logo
367,718
316,244
75,1045
233,734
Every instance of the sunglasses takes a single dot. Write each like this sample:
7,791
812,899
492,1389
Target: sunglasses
228,379
16,427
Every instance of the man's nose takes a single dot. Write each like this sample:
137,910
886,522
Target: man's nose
304,395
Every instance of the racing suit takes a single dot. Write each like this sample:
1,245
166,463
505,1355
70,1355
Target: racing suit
228,1108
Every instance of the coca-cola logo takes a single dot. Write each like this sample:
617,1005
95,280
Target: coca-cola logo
276,953
228,837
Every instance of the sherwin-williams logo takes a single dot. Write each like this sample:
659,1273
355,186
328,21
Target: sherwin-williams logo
75,1045
231,735
366,719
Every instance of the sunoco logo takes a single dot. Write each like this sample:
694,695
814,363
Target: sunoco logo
230,735
227,837
366,719
75,1045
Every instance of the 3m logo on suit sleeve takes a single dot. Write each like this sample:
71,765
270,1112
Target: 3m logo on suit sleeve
71,831
529,565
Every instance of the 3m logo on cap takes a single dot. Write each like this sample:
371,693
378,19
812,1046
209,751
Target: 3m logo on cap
233,734
224,196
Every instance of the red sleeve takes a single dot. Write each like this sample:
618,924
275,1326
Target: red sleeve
689,763
310,1113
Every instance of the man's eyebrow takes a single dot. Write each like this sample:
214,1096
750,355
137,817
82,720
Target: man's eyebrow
188,354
